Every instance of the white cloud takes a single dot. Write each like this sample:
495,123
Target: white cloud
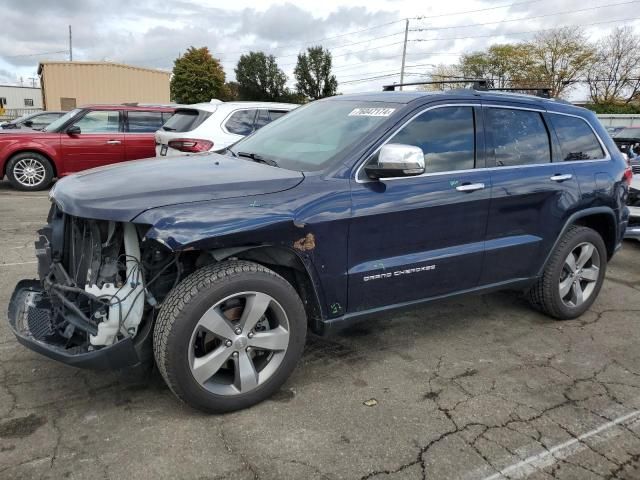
153,32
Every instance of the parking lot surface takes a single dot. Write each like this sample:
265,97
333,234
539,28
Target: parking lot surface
472,388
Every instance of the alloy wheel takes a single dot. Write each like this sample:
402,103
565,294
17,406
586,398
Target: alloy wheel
29,172
580,274
239,343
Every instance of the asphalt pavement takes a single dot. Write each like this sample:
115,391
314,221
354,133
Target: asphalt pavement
480,387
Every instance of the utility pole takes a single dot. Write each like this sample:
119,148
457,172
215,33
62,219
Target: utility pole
70,46
404,51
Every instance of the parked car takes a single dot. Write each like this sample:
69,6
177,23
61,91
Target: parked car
613,130
83,138
346,208
215,125
628,141
35,121
633,229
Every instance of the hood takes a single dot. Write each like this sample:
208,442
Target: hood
20,131
122,192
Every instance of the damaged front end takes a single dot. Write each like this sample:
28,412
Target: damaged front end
99,286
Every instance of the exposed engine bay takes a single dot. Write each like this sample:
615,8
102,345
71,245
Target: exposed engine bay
99,282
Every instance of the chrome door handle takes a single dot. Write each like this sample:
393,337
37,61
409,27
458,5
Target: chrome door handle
561,178
113,142
470,187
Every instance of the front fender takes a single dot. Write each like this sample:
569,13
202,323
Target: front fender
11,147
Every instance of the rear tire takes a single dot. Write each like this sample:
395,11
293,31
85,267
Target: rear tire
199,351
573,275
29,171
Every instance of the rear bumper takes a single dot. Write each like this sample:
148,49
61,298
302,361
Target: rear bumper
28,321
633,227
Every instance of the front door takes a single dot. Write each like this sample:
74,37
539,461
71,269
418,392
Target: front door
531,195
414,238
100,141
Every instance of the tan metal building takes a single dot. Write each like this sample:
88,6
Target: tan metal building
66,85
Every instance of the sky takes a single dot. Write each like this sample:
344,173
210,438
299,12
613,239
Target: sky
365,37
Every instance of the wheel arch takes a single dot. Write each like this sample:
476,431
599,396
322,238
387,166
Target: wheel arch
600,219
286,263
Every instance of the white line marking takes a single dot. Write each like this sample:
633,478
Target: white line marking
537,458
14,264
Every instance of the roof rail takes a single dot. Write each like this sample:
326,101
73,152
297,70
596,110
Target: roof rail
544,92
478,84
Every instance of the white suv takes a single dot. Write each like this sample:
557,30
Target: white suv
215,125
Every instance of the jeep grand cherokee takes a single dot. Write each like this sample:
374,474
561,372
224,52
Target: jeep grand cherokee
348,207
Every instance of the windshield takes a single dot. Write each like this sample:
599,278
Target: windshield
310,137
56,124
633,132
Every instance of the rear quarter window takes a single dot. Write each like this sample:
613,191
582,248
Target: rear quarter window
577,140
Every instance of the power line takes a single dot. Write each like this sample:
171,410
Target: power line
423,17
524,18
35,54
521,33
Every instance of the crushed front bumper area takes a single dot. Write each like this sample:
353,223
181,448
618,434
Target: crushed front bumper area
30,321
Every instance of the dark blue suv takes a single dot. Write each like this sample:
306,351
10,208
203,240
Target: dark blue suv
356,205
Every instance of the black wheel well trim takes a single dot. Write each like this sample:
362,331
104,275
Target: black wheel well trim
300,273
573,219
31,150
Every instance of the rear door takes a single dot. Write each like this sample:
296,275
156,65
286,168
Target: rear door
418,237
140,130
100,141
531,195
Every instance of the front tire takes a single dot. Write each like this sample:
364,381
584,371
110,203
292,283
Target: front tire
229,335
29,171
573,276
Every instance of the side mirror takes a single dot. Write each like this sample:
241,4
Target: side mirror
397,160
28,123
73,130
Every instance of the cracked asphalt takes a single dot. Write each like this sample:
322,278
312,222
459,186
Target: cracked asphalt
473,388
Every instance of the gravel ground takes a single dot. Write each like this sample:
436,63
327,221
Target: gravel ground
473,388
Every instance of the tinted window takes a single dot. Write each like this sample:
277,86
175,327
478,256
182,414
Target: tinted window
275,114
99,121
445,135
628,133
185,120
519,137
144,122
577,140
241,122
262,119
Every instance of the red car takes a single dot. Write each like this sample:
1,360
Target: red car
83,138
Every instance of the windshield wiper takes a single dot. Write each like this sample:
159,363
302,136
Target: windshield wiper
257,158
168,129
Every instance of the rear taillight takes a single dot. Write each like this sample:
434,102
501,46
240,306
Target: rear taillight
628,173
191,145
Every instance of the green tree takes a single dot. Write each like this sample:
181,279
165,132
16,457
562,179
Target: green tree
259,77
197,77
561,56
503,65
313,74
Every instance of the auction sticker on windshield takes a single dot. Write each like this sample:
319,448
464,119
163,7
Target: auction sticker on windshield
371,112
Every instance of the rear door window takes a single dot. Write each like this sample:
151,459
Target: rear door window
517,137
241,122
144,122
446,136
577,140
262,118
185,120
275,114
